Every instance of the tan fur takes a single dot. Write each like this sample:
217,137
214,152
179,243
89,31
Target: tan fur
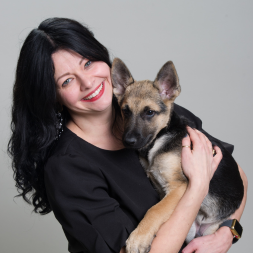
169,165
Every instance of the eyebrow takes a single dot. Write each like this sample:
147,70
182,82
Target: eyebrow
81,61
68,72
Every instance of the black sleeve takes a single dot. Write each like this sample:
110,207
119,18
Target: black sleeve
196,122
78,194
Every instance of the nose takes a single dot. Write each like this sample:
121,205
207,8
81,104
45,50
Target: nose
86,82
131,139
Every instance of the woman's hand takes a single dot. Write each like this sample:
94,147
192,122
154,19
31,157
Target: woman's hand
219,242
198,163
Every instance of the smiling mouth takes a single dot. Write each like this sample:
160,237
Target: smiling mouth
96,94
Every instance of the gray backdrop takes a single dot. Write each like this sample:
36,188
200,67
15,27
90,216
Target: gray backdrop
210,43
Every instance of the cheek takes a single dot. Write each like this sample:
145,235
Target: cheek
109,88
109,92
102,70
68,97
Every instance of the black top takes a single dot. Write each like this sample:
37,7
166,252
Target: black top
99,196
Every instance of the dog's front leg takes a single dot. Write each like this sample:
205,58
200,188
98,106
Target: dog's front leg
141,238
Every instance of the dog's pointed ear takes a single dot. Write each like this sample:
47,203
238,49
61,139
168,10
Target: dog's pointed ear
167,82
121,77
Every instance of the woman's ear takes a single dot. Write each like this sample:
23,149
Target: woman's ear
167,82
121,77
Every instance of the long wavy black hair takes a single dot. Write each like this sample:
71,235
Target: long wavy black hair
34,106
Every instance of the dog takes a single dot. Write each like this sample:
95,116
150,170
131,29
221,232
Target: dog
152,127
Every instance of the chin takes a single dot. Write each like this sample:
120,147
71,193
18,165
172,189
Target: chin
104,103
103,106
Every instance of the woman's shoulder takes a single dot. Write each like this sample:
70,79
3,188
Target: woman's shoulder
68,159
68,143
67,150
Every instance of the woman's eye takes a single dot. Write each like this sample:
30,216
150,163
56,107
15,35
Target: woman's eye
87,64
66,82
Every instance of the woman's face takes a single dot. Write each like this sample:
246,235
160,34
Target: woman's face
83,86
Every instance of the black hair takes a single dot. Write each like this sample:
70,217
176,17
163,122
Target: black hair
34,106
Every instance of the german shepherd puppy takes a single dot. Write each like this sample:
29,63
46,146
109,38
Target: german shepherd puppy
153,128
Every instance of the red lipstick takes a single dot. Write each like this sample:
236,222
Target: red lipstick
97,96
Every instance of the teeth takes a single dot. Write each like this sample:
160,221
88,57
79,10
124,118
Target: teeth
95,93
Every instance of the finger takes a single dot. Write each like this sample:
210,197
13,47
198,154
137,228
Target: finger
206,143
186,144
194,137
217,158
186,141
190,248
209,143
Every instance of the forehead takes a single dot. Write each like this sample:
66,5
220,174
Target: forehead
65,59
140,95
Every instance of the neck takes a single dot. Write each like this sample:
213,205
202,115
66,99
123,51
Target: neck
96,128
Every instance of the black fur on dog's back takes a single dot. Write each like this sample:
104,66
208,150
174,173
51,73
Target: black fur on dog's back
226,184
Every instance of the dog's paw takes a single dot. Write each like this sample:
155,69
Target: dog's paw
139,241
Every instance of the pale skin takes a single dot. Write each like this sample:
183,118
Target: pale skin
76,78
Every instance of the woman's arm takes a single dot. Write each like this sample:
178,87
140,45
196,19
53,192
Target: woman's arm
220,241
171,235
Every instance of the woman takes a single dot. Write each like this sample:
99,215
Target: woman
67,150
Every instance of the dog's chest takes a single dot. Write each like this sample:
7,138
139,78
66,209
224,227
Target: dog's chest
158,147
163,165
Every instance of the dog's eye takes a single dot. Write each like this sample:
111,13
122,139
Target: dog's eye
150,113
126,112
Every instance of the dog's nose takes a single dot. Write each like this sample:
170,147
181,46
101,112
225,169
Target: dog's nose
130,141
